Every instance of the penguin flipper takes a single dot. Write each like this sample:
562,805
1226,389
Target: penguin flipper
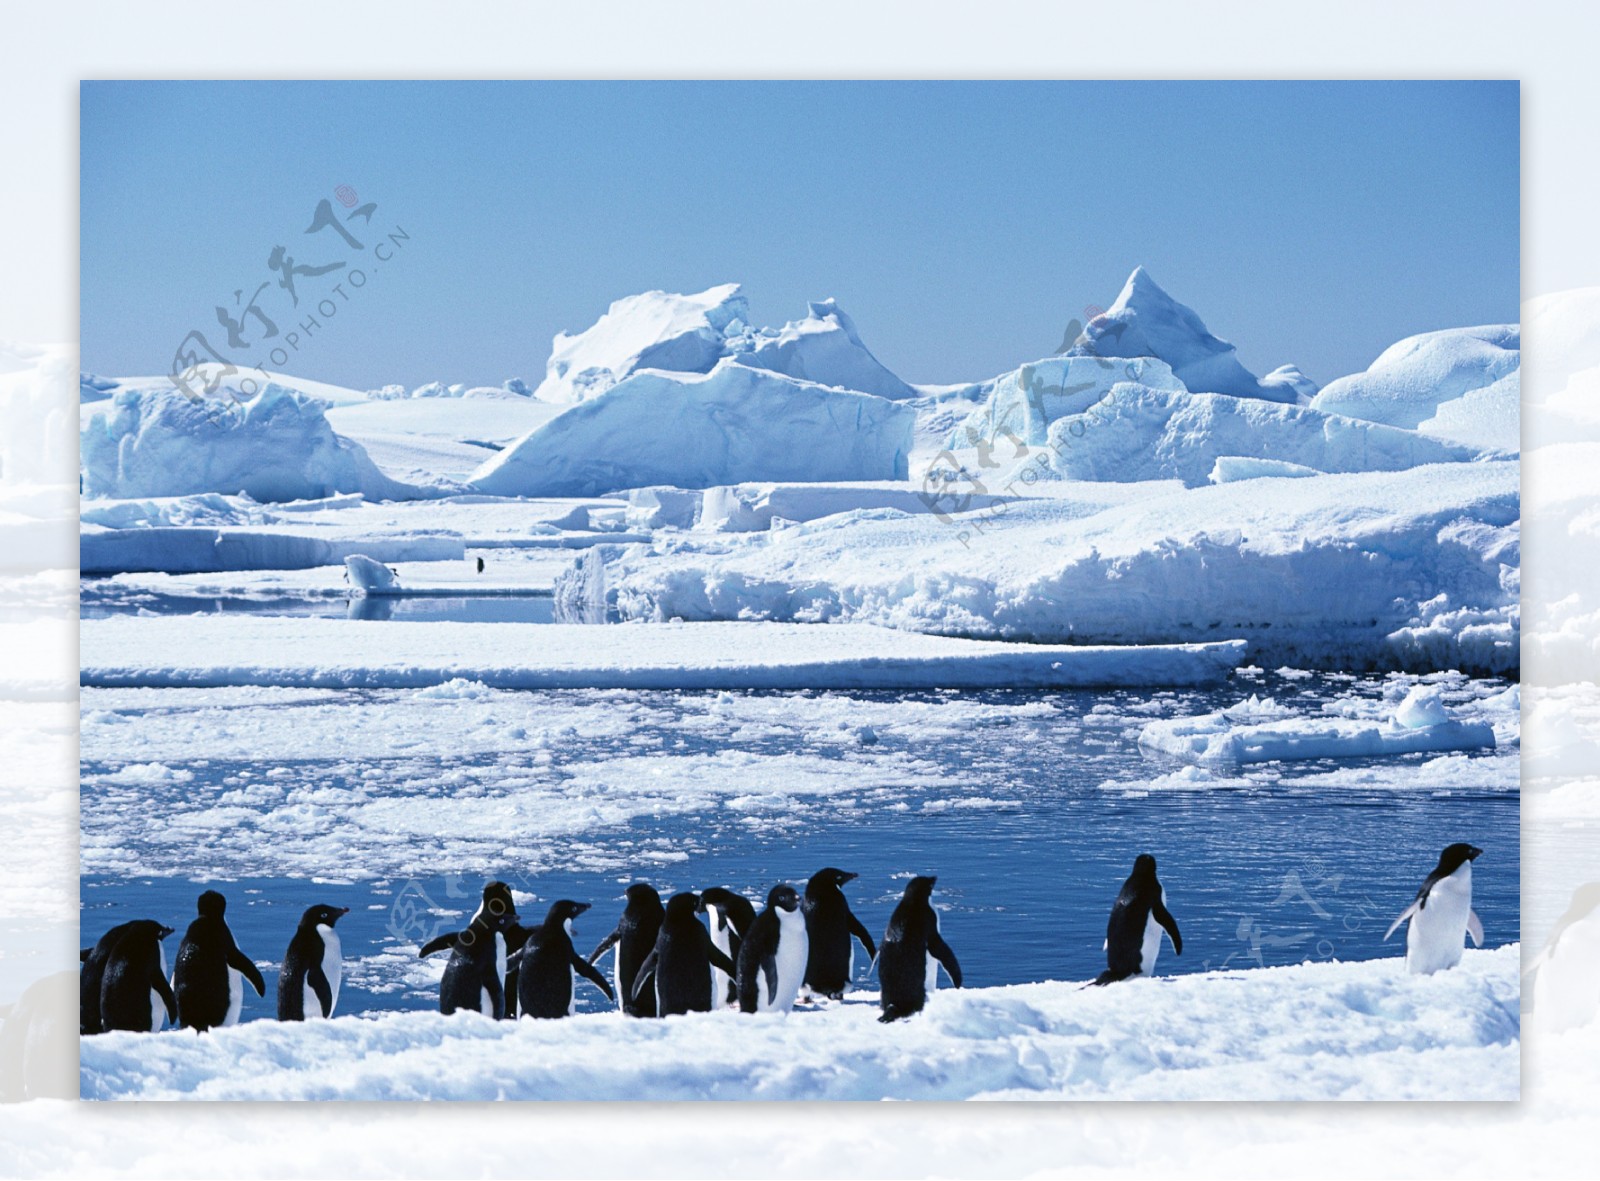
940,950
859,930
718,960
769,968
167,998
83,956
438,943
240,963
1170,925
1404,915
606,945
319,985
591,974
646,970
1475,928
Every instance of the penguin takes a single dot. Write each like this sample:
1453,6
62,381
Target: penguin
209,974
677,967
633,938
480,565
1441,914
134,993
772,957
830,924
1138,916
1563,980
546,984
308,985
92,972
912,950
473,979
729,916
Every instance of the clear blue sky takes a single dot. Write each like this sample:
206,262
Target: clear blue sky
961,224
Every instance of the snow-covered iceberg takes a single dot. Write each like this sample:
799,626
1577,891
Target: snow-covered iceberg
825,348
1147,322
1024,403
1414,380
728,426
275,446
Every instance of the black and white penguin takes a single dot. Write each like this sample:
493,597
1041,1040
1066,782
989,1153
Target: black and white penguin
91,974
728,915
772,957
134,993
1138,916
308,985
473,979
548,966
908,961
1441,914
831,926
634,938
209,974
678,967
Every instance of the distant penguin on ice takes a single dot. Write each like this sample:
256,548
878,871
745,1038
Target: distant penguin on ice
1565,975
831,927
313,967
548,966
772,957
1138,917
474,978
209,974
634,938
912,951
678,967
1441,914
134,993
728,915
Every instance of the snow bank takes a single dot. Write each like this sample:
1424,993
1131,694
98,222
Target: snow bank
1412,379
824,347
1360,1031
275,446
1147,322
195,550
1135,432
696,430
1257,731
1416,569
328,653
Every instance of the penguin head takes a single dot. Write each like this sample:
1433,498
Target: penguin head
498,905
684,906
828,879
920,888
212,905
144,929
323,915
644,896
563,912
1455,856
1144,866
783,897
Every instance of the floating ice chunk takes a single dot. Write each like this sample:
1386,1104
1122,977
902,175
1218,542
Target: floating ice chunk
368,577
1422,707
1230,468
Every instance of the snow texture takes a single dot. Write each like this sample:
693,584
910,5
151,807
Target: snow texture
696,430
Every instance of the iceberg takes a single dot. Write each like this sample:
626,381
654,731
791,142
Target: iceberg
824,348
732,425
277,446
1023,404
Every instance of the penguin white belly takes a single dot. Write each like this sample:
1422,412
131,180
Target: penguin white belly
500,954
1150,947
332,968
720,930
485,1002
235,996
1438,931
572,991
931,976
158,1007
794,948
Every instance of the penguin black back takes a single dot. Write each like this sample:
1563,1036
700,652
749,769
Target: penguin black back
91,974
308,985
1139,915
134,993
831,925
202,974
679,966
472,978
634,938
911,945
547,962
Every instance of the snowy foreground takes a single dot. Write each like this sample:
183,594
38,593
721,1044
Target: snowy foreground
1315,1031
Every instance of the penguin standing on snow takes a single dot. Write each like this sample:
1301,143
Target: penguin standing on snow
831,926
134,993
729,917
1441,914
772,957
1564,978
679,966
908,962
209,974
1138,917
308,985
91,974
548,966
473,977
634,937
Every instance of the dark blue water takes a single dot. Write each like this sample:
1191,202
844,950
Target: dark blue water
530,608
1255,877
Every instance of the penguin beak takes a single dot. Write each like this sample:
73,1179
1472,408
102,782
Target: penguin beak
847,877
1474,853
579,907
165,931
